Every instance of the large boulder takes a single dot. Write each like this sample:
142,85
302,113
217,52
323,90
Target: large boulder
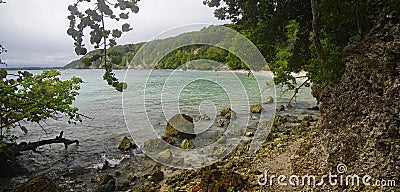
180,126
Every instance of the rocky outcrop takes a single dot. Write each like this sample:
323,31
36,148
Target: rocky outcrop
361,115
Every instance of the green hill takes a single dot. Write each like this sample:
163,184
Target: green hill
161,53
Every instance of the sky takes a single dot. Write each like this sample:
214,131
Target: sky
34,31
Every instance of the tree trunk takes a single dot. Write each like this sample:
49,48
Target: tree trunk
315,37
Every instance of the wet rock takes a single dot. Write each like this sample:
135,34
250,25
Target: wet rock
221,123
38,183
187,144
126,144
157,176
201,117
165,156
279,119
280,108
228,113
315,108
268,100
180,126
221,180
148,187
168,139
107,183
308,118
256,108
289,106
123,185
132,176
155,145
249,134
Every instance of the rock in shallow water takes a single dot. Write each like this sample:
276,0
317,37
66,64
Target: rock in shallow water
180,126
256,108
187,144
126,144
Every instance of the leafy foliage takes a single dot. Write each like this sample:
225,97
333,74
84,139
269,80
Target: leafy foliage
265,23
94,19
34,98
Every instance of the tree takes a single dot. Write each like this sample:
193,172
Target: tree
34,98
330,23
94,19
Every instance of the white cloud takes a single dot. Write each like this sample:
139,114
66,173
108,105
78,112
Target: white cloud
34,31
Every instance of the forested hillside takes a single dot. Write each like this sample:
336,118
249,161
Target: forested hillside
121,56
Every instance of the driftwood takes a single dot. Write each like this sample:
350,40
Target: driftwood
32,146
9,165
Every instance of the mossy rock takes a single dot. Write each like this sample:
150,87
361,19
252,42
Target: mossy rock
180,126
228,113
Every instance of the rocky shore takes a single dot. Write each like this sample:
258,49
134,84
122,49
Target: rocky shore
238,171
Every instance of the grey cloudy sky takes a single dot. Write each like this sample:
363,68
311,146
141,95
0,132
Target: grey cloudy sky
34,31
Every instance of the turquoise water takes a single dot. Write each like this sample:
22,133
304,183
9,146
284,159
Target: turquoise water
142,110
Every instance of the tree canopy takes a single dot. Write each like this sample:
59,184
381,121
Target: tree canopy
93,19
284,32
34,98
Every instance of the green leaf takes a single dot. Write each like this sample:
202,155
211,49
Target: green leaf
126,27
24,129
116,33
124,15
3,73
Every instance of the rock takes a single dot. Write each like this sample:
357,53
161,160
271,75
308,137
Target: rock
180,126
256,108
228,113
168,139
155,145
126,144
157,176
148,186
280,108
187,144
164,156
225,111
249,134
132,176
122,185
315,108
308,118
200,117
221,123
289,106
38,183
107,183
279,119
217,180
268,100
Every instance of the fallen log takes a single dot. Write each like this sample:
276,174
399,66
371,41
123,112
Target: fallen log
9,165
23,146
